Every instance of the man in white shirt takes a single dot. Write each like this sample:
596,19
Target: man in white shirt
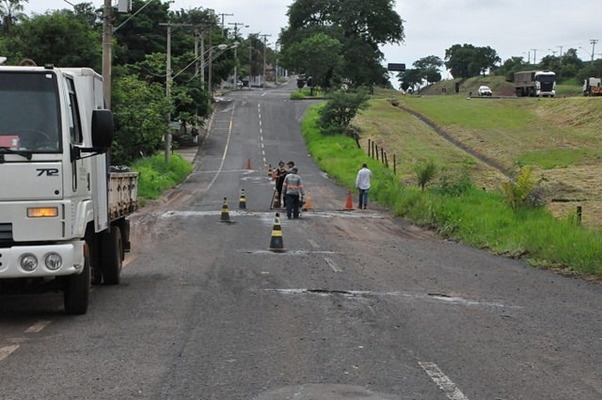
362,182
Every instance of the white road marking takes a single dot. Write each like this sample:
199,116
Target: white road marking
307,215
7,350
37,327
289,252
333,265
313,243
225,152
449,388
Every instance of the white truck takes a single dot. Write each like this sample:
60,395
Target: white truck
592,87
63,212
534,83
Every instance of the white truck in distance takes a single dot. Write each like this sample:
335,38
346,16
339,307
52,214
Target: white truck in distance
534,83
63,213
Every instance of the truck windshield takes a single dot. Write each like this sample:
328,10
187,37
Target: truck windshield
546,78
29,112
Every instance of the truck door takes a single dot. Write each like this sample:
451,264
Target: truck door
80,175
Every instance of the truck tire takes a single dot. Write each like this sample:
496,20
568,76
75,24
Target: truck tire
112,256
77,290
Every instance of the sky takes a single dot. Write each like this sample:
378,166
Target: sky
530,29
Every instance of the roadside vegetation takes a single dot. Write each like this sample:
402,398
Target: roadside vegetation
493,189
157,176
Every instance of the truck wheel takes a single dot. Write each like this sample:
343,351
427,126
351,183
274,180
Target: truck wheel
77,290
112,256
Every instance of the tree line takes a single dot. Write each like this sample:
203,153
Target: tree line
467,61
73,38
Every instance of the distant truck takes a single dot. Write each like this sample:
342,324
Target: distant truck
534,83
592,87
63,211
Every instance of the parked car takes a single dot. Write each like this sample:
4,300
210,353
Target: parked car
484,91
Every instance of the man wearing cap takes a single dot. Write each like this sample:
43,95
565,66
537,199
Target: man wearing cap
293,190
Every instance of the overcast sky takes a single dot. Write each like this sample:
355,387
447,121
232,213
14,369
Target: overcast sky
527,28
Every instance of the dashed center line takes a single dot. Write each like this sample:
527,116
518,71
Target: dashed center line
7,351
37,327
449,388
333,265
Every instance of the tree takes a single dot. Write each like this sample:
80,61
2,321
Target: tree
360,26
140,123
318,56
11,11
339,111
511,65
571,64
58,37
467,61
409,79
429,68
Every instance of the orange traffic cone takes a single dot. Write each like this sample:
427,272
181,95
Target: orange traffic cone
249,163
349,203
308,204
276,242
225,217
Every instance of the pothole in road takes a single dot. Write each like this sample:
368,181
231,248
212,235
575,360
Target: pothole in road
326,392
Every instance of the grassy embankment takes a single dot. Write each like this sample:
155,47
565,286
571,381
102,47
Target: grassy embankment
557,137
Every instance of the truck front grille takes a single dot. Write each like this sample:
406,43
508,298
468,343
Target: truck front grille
6,233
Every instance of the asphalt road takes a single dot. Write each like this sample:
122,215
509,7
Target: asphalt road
361,305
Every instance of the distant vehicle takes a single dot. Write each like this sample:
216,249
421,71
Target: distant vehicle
592,87
534,83
484,91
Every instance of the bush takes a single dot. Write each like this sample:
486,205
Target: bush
156,176
425,173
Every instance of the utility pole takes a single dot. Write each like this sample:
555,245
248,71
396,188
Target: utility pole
534,56
236,25
168,89
107,33
199,36
223,15
593,43
251,37
265,46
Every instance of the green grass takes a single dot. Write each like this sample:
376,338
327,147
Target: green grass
458,210
555,158
156,175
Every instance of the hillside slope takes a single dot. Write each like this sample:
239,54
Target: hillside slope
489,138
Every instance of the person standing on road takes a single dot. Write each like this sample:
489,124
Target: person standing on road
293,191
280,174
362,182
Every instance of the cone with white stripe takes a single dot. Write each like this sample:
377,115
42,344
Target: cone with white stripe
225,216
276,242
242,203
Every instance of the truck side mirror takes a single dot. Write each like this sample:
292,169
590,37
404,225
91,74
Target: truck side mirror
103,129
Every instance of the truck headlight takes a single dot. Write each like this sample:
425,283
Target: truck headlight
28,262
53,261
